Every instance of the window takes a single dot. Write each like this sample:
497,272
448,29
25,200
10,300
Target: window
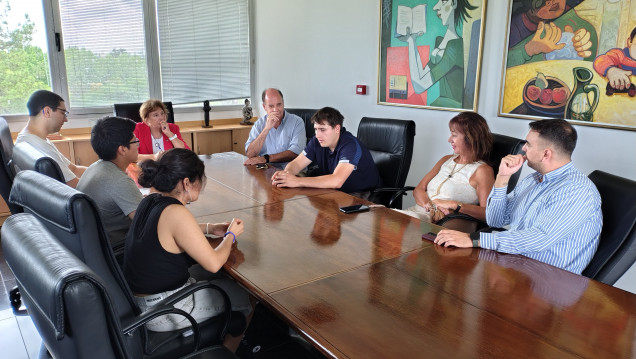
104,51
24,65
119,51
204,49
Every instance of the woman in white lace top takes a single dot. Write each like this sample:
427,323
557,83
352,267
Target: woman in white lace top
460,182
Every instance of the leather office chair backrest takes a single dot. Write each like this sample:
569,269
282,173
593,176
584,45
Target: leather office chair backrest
27,157
7,172
505,145
306,114
70,304
131,111
73,218
617,248
390,142
65,299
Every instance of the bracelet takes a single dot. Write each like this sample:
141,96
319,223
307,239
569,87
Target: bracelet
173,137
207,228
234,237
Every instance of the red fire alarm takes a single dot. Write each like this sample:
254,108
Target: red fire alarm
361,89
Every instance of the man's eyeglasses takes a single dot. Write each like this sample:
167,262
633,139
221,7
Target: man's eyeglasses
135,141
66,113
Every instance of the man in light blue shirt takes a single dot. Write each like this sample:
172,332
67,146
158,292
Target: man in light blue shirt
554,214
278,136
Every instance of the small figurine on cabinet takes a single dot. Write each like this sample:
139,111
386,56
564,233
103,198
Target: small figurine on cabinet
247,113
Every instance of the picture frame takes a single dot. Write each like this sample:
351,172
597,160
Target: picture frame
431,67
561,62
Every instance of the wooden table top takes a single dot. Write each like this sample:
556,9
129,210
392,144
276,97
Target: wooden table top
227,168
458,303
366,285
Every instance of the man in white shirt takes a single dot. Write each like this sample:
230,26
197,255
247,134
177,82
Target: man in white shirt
279,136
47,114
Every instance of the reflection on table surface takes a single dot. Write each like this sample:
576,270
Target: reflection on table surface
227,168
366,285
452,303
313,239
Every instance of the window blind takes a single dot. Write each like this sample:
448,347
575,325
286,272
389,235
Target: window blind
204,49
104,51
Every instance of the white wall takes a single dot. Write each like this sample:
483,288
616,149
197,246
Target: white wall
317,51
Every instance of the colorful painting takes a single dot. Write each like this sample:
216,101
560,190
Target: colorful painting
572,59
430,53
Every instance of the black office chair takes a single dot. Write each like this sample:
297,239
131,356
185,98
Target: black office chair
7,172
73,218
502,146
27,157
391,145
306,114
131,111
72,307
617,248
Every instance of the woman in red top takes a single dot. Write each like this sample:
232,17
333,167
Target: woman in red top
155,134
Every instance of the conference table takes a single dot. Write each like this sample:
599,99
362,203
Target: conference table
367,285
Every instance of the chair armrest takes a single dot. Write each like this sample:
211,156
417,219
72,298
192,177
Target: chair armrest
182,294
399,191
451,216
130,325
166,306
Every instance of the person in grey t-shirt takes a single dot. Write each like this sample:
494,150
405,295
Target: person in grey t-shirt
106,182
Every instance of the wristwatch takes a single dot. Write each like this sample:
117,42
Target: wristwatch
459,206
475,238
174,137
266,156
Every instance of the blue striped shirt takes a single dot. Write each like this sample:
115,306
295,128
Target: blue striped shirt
557,221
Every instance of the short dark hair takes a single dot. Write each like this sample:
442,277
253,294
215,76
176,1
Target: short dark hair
477,135
558,132
631,36
271,88
329,115
41,99
109,133
173,166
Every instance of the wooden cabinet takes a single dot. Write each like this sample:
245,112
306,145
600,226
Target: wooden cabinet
187,137
239,137
4,211
83,153
209,142
65,148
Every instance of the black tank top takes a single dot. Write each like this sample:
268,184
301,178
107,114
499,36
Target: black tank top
148,268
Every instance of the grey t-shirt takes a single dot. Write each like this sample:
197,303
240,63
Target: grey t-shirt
115,194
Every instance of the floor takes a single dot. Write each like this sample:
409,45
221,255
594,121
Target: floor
18,337
267,337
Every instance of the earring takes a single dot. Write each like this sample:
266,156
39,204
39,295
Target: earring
189,197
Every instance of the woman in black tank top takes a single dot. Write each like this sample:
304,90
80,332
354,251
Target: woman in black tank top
165,239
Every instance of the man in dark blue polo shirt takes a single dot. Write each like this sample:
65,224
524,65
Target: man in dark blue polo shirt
343,162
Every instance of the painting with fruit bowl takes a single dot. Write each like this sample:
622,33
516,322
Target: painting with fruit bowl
547,95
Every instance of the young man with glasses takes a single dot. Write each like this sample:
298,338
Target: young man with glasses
106,182
47,114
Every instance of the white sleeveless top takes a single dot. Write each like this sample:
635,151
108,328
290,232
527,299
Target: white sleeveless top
453,182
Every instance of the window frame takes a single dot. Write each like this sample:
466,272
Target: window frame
57,62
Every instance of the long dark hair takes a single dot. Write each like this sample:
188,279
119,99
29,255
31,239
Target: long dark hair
173,166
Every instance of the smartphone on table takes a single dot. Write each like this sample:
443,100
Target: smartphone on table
354,209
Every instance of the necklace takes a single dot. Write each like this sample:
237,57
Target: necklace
453,172
158,144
